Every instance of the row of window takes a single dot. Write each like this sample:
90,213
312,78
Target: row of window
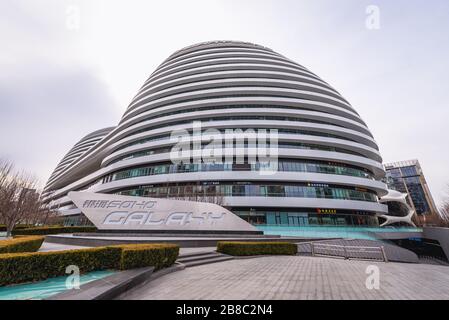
238,106
283,166
249,190
305,132
146,98
227,59
187,64
222,95
303,219
283,145
246,117
245,106
158,80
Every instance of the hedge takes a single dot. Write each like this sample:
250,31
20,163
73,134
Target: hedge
21,244
256,248
27,267
157,255
17,227
52,230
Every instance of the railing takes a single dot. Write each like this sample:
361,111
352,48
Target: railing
348,252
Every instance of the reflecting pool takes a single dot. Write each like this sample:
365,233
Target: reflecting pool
47,288
330,232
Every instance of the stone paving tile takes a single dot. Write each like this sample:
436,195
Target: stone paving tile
295,278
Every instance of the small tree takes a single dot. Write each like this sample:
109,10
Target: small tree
18,196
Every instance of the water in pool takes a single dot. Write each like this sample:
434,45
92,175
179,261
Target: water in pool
368,233
47,288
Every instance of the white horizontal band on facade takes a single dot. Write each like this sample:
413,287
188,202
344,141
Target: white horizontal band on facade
373,166
156,93
368,152
203,52
176,112
219,65
224,56
236,70
222,176
350,135
266,100
240,124
267,202
279,92
209,75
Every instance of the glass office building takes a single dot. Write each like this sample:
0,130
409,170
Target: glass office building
408,177
328,168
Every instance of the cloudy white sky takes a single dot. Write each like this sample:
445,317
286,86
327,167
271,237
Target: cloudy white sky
60,80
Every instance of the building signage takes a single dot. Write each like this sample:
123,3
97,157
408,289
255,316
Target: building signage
326,211
318,185
113,212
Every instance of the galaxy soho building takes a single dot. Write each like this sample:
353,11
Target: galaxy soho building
328,169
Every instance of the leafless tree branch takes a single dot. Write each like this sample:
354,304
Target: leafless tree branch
19,199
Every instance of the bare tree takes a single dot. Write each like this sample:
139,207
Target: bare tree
18,196
6,168
41,216
444,209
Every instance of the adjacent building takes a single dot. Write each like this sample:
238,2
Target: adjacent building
407,177
328,171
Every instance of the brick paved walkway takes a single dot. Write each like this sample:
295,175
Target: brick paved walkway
297,278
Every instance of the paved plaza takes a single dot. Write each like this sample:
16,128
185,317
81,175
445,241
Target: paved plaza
297,277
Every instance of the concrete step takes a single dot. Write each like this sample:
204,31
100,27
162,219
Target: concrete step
200,258
200,262
198,253
207,255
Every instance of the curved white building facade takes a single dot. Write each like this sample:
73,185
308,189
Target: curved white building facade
329,168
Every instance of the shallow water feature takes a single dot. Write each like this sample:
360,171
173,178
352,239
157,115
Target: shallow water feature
47,288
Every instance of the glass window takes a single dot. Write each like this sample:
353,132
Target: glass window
409,171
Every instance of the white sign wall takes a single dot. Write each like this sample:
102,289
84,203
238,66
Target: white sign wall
113,212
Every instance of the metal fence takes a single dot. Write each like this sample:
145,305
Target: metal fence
349,252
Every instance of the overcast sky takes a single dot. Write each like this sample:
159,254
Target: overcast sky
62,77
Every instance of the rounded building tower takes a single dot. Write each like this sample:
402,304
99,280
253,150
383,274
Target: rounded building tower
328,168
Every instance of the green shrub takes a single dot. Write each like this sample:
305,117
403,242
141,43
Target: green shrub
21,244
144,255
23,226
53,230
27,267
256,248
